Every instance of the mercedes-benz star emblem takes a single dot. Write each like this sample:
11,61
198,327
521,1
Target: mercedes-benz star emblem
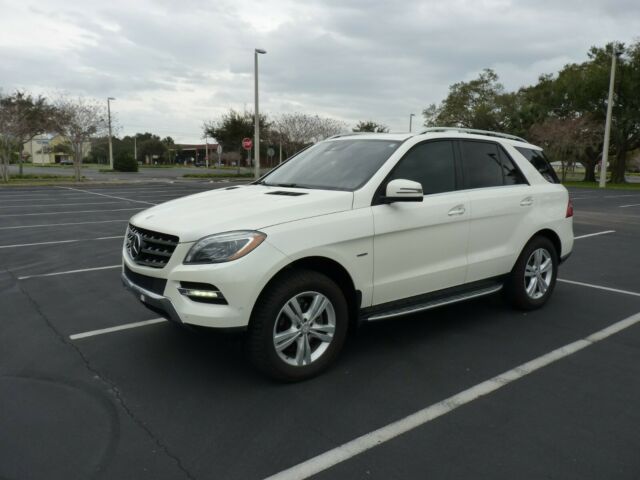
135,246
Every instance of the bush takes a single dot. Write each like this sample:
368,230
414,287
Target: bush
125,162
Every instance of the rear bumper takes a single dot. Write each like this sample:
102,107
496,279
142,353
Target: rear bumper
154,302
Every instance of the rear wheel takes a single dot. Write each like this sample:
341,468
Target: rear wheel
533,277
299,326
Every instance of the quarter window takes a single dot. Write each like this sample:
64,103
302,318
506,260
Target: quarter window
538,160
431,164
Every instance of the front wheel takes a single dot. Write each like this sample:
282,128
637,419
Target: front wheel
299,326
533,277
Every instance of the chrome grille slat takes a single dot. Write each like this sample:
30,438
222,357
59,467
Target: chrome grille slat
155,248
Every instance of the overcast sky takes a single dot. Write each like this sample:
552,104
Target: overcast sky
173,64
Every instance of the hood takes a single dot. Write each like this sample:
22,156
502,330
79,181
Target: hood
247,207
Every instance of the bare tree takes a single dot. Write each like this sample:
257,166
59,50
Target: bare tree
78,121
570,141
297,130
22,117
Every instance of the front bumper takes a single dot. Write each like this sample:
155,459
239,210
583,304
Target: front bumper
240,281
154,302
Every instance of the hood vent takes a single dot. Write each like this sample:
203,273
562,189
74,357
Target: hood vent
286,194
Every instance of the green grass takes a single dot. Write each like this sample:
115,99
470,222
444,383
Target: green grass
217,175
612,186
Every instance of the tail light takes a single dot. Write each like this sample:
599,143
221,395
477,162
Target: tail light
569,209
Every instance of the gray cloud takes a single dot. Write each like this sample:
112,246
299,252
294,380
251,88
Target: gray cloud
172,65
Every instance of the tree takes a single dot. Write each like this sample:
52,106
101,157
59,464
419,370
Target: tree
298,130
22,117
370,126
473,104
154,149
78,121
233,126
571,141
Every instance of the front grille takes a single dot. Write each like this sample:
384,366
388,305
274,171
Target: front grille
155,285
154,249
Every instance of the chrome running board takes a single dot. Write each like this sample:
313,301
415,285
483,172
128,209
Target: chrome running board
435,303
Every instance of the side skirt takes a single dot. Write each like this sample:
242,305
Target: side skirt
431,300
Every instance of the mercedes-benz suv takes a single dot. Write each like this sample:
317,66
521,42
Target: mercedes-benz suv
357,228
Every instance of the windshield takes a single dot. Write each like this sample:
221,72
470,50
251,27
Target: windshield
334,165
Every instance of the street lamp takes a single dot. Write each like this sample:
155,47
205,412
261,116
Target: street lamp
615,53
411,115
257,113
110,145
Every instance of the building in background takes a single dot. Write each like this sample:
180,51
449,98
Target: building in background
51,148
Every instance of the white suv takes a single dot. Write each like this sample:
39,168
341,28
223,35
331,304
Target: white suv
359,227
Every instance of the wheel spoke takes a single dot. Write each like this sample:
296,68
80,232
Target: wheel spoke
318,305
529,271
289,311
284,339
303,353
538,257
542,284
322,332
531,288
546,266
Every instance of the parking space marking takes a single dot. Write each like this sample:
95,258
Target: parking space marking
599,287
373,439
67,272
620,196
632,205
61,224
126,326
109,196
55,242
60,204
69,212
594,234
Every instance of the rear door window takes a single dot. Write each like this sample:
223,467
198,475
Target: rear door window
481,164
540,162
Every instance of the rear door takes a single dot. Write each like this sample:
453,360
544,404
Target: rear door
420,247
501,203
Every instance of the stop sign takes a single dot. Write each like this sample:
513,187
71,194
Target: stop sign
247,143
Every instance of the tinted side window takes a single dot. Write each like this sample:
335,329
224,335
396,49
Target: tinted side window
432,164
538,160
510,172
481,164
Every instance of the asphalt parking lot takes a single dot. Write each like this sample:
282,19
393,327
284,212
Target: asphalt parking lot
474,390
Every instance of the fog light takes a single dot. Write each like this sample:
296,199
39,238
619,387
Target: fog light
201,292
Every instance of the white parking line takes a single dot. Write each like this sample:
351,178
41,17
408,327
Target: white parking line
373,439
69,212
54,242
599,287
621,196
594,234
81,270
60,204
60,224
109,196
126,326
632,205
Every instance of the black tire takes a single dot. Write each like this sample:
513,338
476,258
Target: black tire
515,286
268,311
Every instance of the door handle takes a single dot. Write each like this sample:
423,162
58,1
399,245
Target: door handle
526,202
457,210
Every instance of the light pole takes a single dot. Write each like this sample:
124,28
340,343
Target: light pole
110,145
256,140
411,115
607,126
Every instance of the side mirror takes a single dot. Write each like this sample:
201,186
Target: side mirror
401,190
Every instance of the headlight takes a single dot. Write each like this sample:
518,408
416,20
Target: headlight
224,247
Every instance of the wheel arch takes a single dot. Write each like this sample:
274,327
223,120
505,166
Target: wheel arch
552,236
332,269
